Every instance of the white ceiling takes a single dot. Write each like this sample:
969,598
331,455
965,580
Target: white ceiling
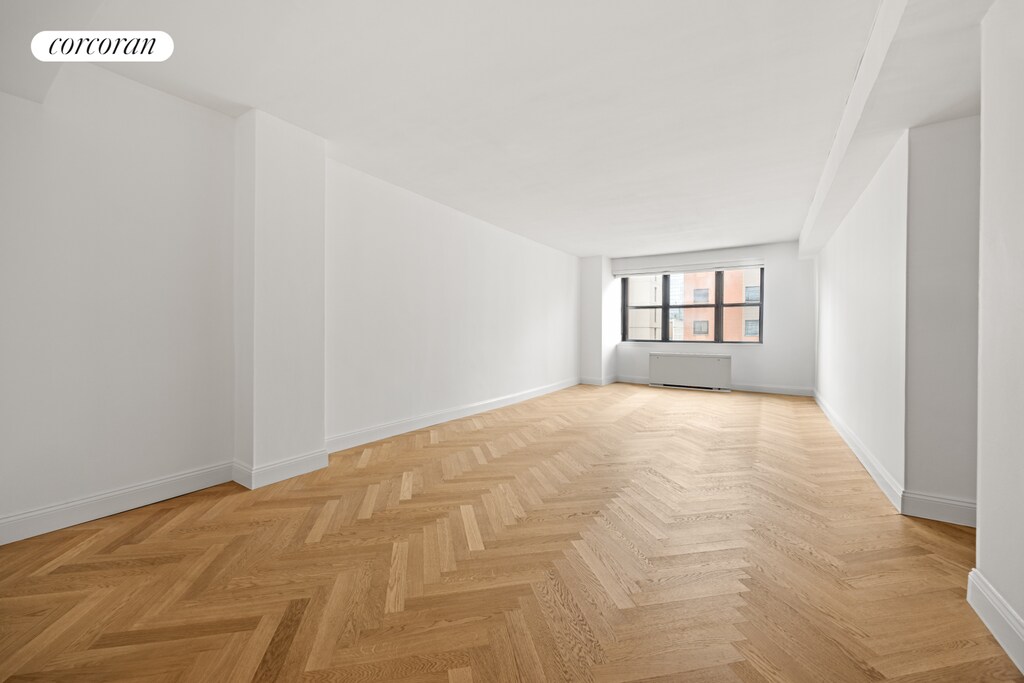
595,126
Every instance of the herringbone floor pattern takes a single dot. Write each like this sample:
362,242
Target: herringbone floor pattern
609,534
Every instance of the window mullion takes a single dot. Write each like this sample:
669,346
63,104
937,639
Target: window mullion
719,299
625,309
760,308
664,307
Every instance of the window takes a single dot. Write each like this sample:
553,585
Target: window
721,306
644,314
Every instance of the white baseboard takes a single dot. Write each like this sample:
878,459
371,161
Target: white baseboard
774,389
885,481
759,388
1001,619
340,442
597,381
51,517
263,475
940,508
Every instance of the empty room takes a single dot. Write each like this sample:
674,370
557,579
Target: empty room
511,340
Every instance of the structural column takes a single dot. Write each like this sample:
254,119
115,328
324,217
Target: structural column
995,588
942,322
279,300
600,320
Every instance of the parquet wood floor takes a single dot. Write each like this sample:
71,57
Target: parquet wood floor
617,533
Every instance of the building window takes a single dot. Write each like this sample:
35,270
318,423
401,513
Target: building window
721,306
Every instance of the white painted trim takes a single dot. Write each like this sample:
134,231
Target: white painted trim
940,508
1001,619
596,381
758,388
340,442
681,387
885,481
774,389
61,515
263,475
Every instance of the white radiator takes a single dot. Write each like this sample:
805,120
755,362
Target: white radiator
691,371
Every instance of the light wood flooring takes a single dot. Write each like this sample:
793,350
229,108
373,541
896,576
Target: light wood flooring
617,533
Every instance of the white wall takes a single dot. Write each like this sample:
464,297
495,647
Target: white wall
862,324
433,314
784,363
600,320
115,300
942,336
996,588
279,300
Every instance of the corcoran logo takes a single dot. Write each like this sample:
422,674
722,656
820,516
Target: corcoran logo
102,46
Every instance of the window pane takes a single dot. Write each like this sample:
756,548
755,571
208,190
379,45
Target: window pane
644,323
691,324
741,324
645,290
742,286
691,288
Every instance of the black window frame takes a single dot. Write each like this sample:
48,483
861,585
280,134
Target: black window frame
719,307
